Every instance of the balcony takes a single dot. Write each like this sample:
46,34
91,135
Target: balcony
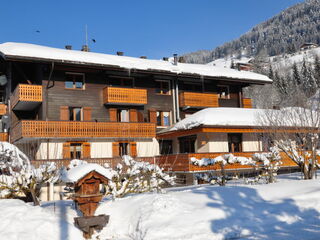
198,100
84,130
124,96
26,97
246,102
4,137
3,109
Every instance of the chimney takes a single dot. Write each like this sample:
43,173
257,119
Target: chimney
165,59
120,53
68,47
85,48
175,59
143,57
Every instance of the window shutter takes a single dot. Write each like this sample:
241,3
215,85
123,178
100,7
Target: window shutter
140,117
113,114
64,113
86,150
66,151
133,149
115,149
152,115
133,115
87,114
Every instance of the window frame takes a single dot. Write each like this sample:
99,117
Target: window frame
161,115
74,81
72,109
161,91
227,96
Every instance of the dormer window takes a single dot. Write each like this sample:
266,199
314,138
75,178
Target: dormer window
74,81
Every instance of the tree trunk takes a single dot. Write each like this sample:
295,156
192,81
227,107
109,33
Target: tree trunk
223,173
35,199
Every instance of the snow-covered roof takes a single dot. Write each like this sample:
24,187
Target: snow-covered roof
76,173
36,52
249,117
220,117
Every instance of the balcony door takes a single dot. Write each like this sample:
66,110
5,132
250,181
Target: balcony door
235,142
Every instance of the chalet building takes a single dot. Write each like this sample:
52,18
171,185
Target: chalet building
307,46
60,104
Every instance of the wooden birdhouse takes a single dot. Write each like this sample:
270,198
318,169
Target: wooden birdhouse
87,192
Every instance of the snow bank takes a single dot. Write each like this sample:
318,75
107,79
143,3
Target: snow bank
288,209
22,221
31,51
78,172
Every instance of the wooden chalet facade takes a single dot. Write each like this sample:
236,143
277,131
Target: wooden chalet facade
64,104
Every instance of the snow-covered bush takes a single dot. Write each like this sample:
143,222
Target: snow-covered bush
269,162
137,177
221,160
18,177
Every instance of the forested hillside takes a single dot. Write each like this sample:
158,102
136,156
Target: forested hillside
281,34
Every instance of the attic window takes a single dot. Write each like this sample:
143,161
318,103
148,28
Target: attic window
74,81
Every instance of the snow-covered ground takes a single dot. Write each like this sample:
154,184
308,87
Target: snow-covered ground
288,209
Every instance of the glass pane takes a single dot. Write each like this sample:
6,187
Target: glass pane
166,121
77,113
79,85
127,82
124,116
68,84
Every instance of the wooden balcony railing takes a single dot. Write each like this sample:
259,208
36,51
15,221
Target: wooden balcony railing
3,109
192,99
4,137
75,129
26,93
246,102
118,95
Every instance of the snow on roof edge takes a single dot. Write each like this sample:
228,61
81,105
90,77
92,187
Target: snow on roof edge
38,52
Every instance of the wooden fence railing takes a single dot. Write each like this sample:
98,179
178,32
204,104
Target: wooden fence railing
3,109
246,102
193,99
79,129
125,95
4,137
26,92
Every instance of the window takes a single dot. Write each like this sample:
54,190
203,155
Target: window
223,92
187,144
75,114
74,81
163,87
122,115
165,147
121,81
76,150
192,86
163,118
123,148
235,142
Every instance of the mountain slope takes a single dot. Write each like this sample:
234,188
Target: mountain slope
283,33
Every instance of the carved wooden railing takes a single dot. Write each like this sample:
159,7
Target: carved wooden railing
3,109
124,95
26,92
4,137
246,102
75,129
198,99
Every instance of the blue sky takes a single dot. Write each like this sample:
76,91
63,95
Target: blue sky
137,27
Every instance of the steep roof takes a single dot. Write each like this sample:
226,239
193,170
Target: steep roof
11,50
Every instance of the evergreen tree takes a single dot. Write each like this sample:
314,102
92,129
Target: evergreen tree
316,70
296,75
308,82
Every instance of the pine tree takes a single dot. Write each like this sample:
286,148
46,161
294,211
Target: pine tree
296,75
308,82
316,70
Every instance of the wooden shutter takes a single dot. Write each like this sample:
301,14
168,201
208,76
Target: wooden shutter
86,150
87,114
152,115
64,113
133,114
113,114
115,149
66,151
140,117
133,149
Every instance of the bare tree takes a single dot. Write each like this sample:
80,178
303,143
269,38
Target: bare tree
295,131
